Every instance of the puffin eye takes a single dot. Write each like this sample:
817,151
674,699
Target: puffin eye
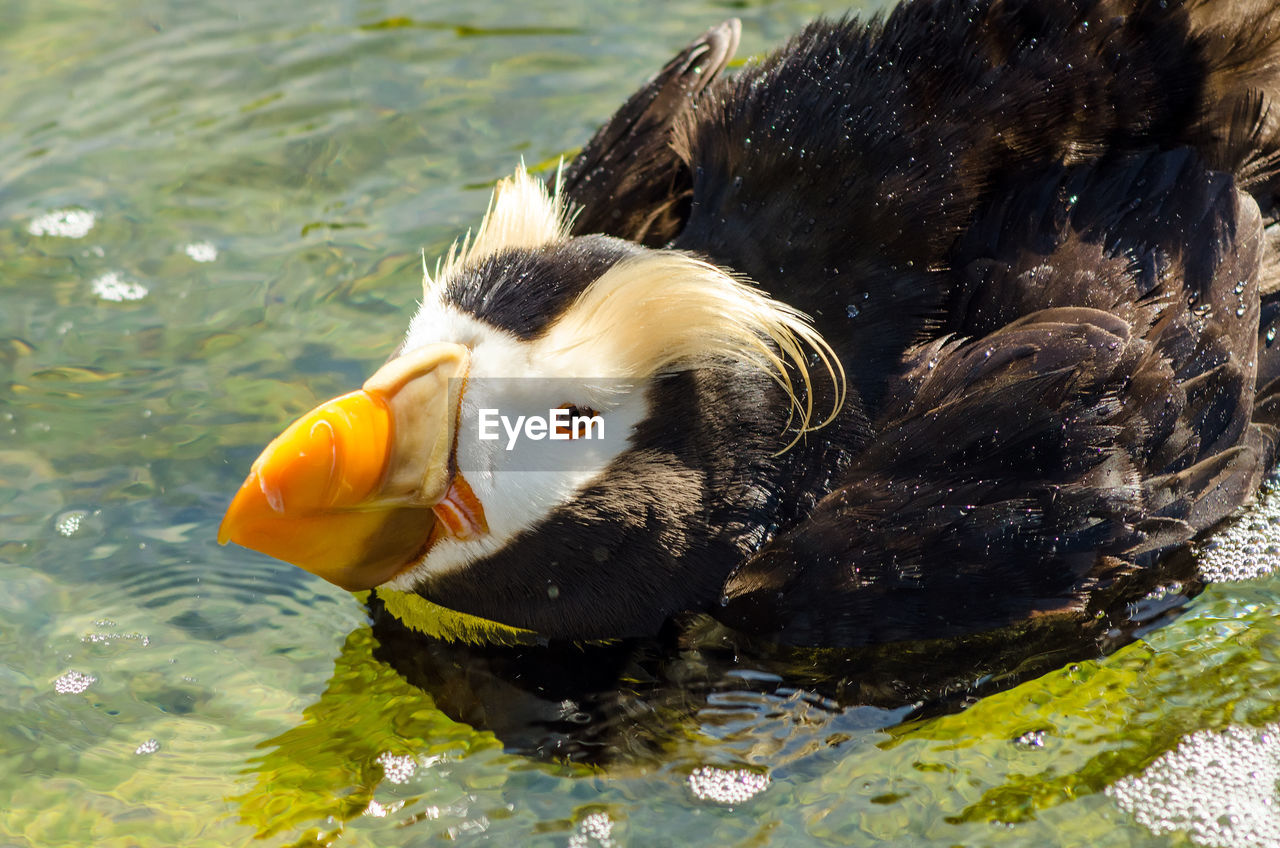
568,430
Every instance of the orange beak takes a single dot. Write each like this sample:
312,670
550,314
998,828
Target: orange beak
351,490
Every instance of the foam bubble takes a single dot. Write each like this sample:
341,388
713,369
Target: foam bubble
201,251
398,769
112,286
595,829
1219,787
726,786
380,811
73,683
63,223
1250,546
68,524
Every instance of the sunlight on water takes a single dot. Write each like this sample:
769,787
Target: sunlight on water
212,219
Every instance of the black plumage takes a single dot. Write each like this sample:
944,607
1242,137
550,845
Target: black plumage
1081,431
1035,232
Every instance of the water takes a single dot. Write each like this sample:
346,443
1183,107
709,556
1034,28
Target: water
210,220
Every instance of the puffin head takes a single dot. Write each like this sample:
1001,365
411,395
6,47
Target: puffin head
573,438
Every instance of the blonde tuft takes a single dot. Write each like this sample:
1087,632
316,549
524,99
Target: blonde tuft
663,310
521,214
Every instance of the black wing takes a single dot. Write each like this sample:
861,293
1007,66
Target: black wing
628,181
1093,410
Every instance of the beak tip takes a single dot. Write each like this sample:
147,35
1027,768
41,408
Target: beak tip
231,525
233,519
324,494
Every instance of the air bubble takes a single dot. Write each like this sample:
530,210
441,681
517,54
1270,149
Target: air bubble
1219,787
73,683
726,786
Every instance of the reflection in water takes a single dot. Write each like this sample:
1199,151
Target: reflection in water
565,702
621,701
402,709
369,726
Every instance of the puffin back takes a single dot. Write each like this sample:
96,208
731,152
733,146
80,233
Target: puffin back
839,173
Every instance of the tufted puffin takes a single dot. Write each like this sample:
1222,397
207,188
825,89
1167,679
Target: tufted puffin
922,327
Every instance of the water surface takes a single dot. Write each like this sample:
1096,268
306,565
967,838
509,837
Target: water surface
211,218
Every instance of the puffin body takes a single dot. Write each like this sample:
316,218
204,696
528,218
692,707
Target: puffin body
923,327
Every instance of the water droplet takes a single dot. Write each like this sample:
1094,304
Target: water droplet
852,311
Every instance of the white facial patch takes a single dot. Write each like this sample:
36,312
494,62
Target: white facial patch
522,480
